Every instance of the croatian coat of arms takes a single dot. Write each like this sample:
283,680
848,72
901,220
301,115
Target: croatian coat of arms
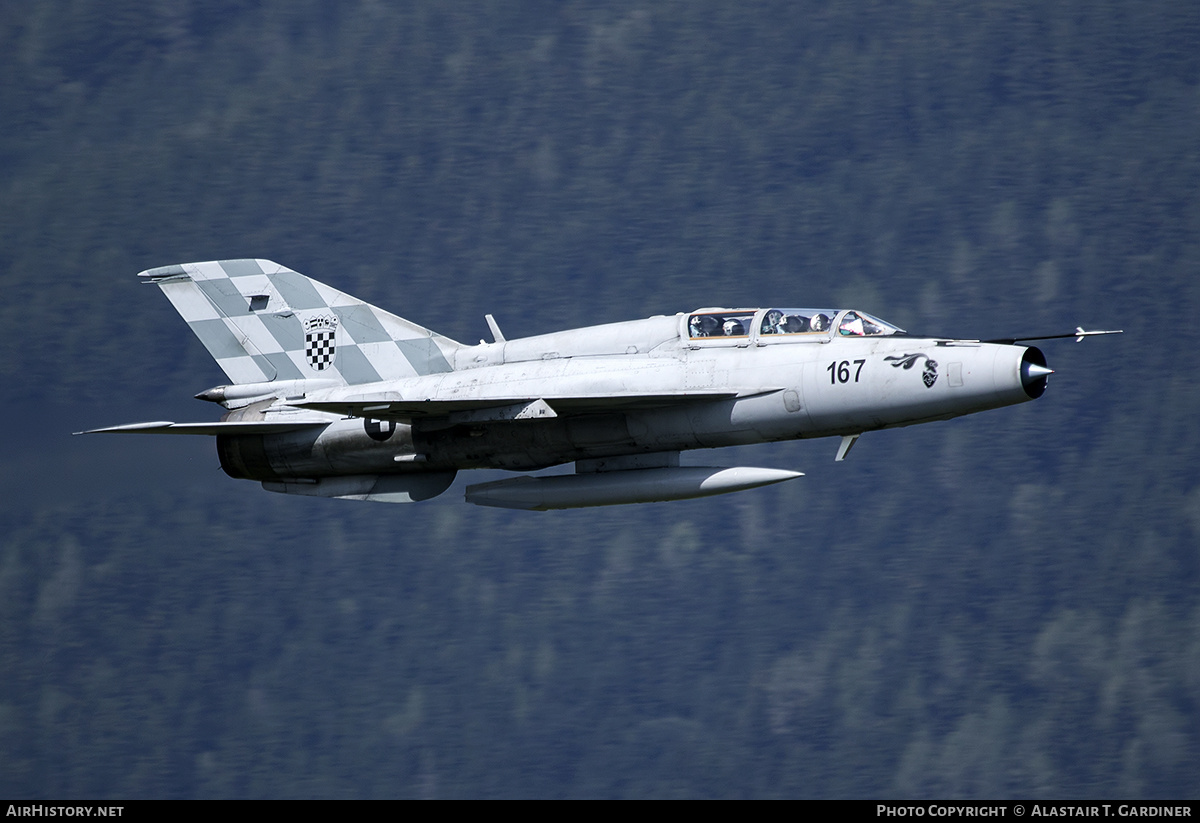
320,340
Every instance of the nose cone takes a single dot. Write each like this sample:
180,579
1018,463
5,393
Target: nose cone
1034,372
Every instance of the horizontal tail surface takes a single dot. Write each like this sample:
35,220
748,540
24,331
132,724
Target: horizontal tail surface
263,322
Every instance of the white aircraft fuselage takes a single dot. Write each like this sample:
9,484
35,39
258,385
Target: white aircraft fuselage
332,397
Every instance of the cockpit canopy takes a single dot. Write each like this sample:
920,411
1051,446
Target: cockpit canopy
780,323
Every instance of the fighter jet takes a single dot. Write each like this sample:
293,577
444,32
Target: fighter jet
330,396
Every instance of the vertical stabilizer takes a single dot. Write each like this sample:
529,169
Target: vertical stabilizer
262,321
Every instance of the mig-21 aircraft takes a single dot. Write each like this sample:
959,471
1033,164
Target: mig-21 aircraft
329,396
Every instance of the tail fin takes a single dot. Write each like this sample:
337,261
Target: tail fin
263,322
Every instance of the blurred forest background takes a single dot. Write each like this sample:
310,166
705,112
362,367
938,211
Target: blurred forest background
1000,606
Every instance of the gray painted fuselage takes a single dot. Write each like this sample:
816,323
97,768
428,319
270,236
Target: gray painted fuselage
779,389
330,396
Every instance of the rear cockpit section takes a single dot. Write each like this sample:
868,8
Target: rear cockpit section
776,325
721,323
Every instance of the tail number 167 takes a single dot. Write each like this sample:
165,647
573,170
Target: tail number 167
844,371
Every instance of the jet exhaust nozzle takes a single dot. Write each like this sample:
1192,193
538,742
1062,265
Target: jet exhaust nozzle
611,488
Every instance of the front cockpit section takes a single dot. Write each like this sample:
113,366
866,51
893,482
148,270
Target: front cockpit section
861,324
777,325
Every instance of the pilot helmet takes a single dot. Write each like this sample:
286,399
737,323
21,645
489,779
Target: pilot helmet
793,324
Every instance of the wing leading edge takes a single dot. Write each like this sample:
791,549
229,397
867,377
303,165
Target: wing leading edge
231,427
495,409
391,407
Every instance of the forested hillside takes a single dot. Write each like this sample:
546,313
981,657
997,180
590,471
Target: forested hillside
1005,605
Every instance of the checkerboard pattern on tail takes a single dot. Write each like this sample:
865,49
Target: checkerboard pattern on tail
263,322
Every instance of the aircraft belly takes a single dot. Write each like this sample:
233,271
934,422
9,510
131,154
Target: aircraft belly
528,445
362,446
351,446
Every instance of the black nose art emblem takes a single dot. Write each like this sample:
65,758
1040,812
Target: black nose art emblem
906,361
